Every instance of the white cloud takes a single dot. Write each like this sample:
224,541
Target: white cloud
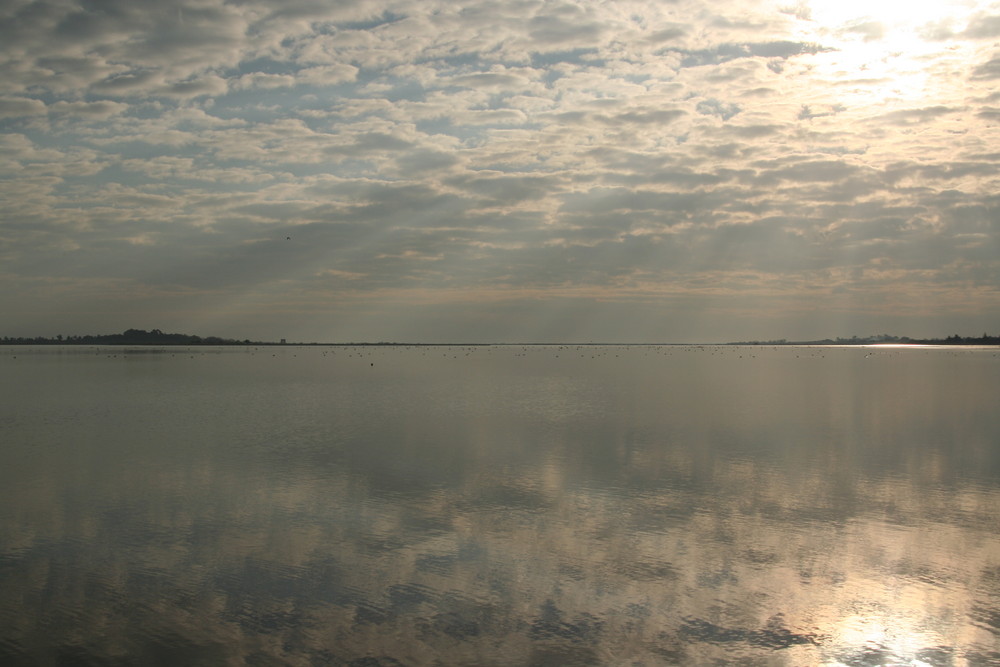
327,75
262,81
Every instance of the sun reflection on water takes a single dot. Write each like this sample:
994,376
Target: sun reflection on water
882,639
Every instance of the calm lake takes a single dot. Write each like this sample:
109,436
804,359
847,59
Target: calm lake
501,505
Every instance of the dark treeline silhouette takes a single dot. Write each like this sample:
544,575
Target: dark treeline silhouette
157,337
985,339
130,337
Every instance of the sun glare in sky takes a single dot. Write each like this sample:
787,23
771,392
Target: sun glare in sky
847,15
888,49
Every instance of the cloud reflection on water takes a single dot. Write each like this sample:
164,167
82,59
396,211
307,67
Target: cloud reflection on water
609,505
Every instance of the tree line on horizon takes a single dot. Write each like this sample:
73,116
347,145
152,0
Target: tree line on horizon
157,337
130,337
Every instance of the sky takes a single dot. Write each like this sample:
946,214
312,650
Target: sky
483,171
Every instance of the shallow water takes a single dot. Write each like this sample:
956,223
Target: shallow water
506,505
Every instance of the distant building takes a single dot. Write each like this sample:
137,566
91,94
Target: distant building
282,341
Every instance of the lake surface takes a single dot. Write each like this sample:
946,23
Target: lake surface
506,505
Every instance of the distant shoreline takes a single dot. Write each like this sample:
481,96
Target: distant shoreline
157,337
885,339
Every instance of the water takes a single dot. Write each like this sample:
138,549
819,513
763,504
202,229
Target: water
499,506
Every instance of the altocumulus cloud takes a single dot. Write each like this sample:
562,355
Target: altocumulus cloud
463,170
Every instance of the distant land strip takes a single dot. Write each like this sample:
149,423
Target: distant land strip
884,339
157,337
131,337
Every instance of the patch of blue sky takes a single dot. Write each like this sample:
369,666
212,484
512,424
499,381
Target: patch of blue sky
399,90
468,134
144,110
467,61
386,18
263,65
637,78
256,106
724,53
138,147
585,57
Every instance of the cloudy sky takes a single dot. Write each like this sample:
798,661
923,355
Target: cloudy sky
474,170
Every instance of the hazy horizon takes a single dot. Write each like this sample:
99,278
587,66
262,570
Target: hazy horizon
871,339
537,170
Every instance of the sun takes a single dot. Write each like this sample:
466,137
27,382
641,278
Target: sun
895,25
877,52
884,15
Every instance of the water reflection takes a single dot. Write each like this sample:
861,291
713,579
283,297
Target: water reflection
502,506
